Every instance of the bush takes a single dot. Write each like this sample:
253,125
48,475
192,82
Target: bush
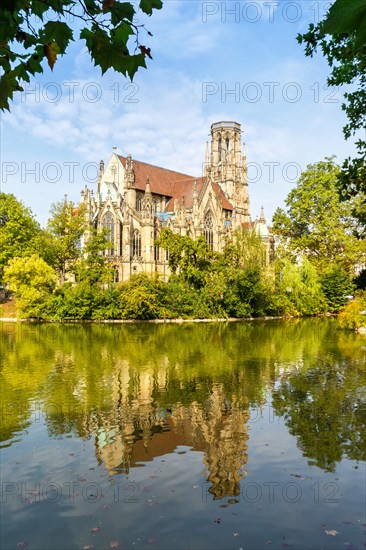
353,316
141,297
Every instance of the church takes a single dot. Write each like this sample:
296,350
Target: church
135,200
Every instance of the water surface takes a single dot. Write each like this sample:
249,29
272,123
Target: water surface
194,436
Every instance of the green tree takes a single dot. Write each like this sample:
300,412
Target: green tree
245,249
64,231
192,259
337,287
341,37
33,31
316,223
140,297
298,289
93,267
32,281
18,230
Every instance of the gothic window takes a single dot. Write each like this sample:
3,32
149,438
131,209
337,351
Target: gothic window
227,147
108,225
219,149
208,230
136,243
138,203
156,248
120,239
116,276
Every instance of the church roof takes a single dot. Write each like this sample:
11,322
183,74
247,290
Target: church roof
172,184
161,179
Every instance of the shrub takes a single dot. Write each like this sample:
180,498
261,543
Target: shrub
140,297
353,315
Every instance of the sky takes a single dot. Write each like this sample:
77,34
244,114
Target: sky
212,61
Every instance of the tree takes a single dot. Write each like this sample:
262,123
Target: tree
245,249
341,36
337,288
64,231
317,224
32,281
191,258
37,30
94,267
18,230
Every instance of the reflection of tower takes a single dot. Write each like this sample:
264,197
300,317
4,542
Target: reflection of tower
225,434
135,429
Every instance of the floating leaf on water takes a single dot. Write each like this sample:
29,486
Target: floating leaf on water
236,534
332,532
217,520
114,544
95,529
88,547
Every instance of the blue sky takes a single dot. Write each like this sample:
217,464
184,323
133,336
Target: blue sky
212,61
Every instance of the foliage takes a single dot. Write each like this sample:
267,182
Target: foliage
64,231
32,282
37,30
140,297
341,37
93,267
316,223
18,230
190,258
353,316
180,299
298,290
337,287
244,249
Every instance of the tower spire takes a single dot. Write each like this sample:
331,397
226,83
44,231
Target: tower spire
207,158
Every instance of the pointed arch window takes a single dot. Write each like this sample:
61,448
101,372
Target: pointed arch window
227,141
108,225
208,230
136,243
156,248
138,203
219,148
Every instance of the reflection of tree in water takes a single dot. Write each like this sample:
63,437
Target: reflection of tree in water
142,390
325,408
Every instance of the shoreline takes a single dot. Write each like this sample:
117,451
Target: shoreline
159,321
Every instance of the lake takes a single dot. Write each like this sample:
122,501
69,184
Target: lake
243,435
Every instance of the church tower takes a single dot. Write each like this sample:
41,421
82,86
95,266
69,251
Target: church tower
227,166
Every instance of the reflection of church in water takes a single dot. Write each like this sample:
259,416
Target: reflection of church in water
137,431
135,200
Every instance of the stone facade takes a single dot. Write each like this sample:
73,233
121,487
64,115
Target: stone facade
135,200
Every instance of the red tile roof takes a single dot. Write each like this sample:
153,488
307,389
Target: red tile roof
171,184
161,179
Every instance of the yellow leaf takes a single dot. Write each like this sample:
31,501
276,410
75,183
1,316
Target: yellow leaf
51,50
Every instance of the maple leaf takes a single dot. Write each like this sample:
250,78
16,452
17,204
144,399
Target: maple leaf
51,50
145,51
